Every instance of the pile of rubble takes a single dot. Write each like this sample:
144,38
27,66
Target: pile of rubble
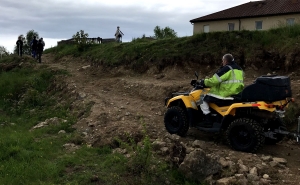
198,161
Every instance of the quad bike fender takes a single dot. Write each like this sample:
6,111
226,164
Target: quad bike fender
188,102
230,110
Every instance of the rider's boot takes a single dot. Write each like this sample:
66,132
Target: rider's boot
208,122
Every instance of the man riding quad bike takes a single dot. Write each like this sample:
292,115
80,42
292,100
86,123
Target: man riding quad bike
249,118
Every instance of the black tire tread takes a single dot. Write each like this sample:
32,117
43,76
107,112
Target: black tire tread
258,132
183,129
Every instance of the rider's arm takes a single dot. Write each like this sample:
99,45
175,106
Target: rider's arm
221,75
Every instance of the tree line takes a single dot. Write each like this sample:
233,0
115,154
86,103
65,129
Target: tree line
80,37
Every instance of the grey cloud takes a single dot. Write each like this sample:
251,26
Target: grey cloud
61,19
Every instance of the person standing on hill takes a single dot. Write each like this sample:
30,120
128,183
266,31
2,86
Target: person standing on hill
40,49
43,42
33,45
118,35
19,46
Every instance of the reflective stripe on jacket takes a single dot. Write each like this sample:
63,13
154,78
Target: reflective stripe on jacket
226,82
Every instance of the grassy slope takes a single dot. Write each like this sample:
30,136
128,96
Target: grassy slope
206,48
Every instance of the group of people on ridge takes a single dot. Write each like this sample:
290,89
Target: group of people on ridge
37,47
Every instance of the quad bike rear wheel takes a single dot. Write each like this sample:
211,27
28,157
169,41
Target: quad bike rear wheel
176,121
245,134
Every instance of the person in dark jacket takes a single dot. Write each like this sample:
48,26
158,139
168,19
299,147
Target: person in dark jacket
19,46
118,35
43,41
33,45
40,49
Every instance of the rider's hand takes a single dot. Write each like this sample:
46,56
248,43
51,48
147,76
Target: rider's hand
201,83
193,82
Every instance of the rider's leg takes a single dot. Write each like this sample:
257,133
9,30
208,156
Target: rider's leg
207,119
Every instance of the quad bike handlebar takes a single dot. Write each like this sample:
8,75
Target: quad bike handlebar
198,84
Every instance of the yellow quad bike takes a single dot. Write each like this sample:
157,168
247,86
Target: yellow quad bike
252,118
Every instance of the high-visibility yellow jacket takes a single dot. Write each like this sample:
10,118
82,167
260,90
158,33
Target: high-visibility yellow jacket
227,81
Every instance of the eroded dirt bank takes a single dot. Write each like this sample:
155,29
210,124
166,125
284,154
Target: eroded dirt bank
123,101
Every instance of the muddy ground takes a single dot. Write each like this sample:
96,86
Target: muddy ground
124,101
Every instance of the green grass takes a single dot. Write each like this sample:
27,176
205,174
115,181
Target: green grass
38,158
27,157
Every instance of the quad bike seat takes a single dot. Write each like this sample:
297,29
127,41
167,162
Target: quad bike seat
237,97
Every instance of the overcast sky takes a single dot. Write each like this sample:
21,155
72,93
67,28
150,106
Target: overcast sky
55,20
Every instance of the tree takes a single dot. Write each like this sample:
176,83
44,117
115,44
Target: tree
81,40
3,52
26,41
30,34
161,33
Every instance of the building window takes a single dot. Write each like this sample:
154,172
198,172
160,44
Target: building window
230,26
290,22
258,25
206,28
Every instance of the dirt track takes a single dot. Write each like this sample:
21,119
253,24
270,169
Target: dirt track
124,101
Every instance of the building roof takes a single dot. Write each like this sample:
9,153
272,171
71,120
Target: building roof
254,9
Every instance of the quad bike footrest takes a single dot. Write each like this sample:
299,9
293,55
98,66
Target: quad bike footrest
215,128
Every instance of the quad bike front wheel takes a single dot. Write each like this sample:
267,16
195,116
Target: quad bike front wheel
176,121
245,134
